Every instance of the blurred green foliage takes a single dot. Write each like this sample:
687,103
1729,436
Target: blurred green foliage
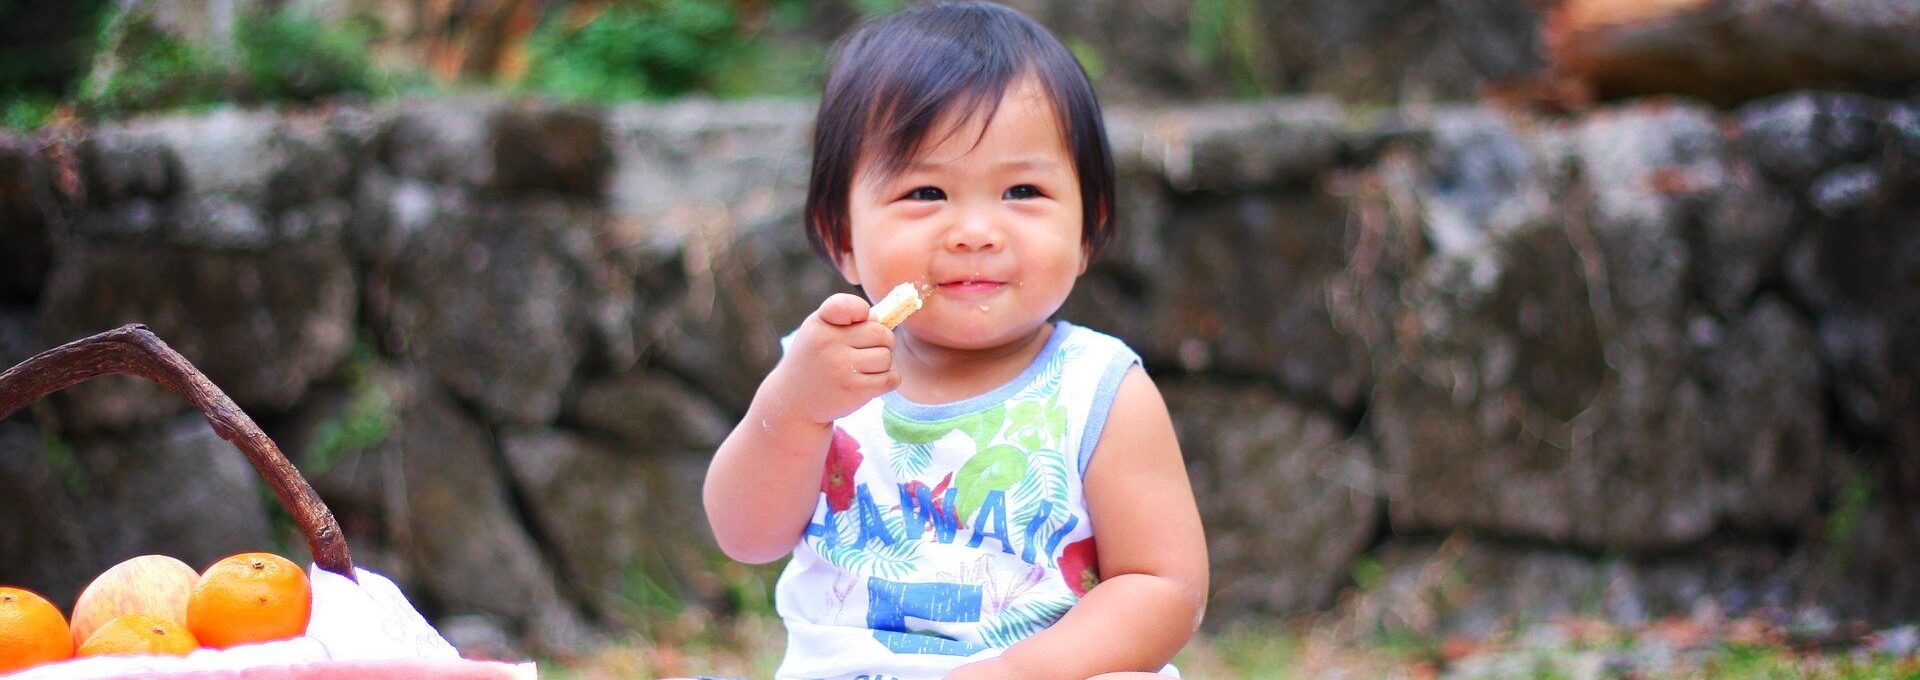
646,598
64,465
278,55
748,588
637,50
26,111
1231,35
1091,60
1843,521
654,49
147,68
289,56
771,59
98,58
1369,573
365,423
46,48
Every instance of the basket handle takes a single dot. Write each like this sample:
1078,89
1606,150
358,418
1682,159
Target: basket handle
135,350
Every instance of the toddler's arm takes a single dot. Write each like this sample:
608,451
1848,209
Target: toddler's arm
1151,550
764,481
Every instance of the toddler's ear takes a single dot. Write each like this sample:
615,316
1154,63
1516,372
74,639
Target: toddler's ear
1086,252
847,269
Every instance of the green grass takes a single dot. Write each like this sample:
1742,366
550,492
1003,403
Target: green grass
1768,662
1243,652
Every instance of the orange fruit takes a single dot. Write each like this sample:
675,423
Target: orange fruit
249,597
32,631
155,585
139,634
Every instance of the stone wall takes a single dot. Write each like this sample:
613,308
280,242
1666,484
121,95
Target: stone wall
1632,361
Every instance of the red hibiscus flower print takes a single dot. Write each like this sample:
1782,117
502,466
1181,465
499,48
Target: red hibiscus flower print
1080,566
836,481
938,509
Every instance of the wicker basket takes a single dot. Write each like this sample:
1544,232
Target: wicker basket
135,350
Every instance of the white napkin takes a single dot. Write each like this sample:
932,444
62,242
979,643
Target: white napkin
369,620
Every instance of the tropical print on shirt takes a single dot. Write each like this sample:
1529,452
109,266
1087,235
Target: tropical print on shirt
945,533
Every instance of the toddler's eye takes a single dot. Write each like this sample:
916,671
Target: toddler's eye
926,194
1021,192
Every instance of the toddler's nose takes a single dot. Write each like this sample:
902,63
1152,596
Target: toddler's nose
974,231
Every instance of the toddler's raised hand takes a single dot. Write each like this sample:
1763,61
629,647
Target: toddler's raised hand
838,360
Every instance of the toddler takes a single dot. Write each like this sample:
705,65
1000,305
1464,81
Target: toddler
984,491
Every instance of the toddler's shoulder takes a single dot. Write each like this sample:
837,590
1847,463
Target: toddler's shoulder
1094,343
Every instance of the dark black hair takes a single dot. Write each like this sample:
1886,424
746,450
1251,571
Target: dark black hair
895,77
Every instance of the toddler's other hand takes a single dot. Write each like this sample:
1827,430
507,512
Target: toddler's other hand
838,361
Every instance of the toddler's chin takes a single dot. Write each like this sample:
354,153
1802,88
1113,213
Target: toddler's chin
971,334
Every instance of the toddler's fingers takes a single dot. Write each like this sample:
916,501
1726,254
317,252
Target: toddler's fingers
882,382
844,309
868,335
872,360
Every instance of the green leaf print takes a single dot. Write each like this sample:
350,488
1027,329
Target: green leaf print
885,560
910,460
1046,480
996,468
893,561
1036,425
1048,382
1017,622
980,427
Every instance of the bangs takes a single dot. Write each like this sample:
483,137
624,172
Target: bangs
921,82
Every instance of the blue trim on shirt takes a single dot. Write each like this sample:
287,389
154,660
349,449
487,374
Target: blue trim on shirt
1123,360
999,395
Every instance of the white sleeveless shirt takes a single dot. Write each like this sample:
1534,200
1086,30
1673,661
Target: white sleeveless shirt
945,533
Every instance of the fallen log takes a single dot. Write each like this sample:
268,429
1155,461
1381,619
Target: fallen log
1729,51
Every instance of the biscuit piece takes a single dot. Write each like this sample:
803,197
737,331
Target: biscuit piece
900,302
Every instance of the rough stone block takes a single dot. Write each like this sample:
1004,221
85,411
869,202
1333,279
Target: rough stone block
497,299
498,146
257,158
262,326
650,411
1573,386
432,495
1239,147
175,488
623,519
27,194
120,165
1288,496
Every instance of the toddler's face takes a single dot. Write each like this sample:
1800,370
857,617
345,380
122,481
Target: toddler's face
994,227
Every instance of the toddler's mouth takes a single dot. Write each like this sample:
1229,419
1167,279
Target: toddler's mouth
970,287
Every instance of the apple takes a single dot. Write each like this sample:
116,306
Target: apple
154,585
